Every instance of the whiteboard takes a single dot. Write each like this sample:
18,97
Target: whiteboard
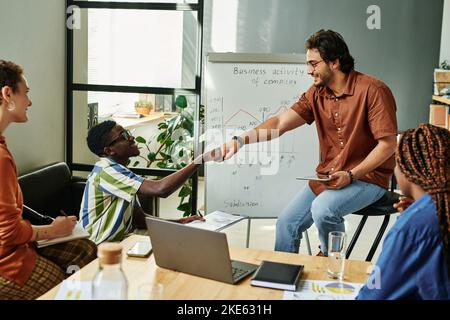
242,91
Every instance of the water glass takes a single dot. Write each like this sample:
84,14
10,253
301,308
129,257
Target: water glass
150,291
336,254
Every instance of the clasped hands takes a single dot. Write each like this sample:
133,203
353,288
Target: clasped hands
222,153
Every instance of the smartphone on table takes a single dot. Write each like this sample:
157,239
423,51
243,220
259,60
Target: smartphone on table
141,249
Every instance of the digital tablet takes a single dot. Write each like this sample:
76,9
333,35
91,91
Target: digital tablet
315,178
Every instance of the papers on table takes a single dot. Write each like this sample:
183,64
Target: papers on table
74,290
323,290
216,221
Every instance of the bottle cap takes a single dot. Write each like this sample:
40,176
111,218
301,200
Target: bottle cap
109,253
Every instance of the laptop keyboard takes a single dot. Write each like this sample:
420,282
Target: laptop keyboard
237,273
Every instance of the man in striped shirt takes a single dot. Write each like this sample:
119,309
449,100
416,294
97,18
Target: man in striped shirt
110,207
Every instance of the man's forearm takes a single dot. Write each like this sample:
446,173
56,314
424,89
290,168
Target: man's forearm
382,152
172,182
266,131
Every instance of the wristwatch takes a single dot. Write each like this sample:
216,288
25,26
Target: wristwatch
350,175
240,140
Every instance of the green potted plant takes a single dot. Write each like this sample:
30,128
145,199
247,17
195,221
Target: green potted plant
176,140
143,107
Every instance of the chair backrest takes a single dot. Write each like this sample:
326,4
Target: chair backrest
51,188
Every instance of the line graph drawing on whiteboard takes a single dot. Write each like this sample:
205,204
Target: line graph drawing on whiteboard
242,120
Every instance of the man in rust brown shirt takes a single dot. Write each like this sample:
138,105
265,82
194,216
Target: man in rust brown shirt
357,127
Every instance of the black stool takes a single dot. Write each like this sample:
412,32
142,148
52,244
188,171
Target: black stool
382,207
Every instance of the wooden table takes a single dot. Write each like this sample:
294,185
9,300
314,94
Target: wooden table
178,285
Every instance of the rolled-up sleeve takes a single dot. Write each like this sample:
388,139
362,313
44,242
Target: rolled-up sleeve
303,106
381,112
13,229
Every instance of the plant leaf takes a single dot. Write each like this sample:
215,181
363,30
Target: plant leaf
161,165
162,125
165,155
181,102
185,207
151,156
140,139
184,192
161,137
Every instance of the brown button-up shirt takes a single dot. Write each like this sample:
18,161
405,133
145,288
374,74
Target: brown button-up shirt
349,126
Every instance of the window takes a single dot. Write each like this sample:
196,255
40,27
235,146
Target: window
124,52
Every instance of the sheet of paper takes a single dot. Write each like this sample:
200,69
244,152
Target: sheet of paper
77,233
74,290
216,221
323,290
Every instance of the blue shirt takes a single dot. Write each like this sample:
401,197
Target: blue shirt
411,264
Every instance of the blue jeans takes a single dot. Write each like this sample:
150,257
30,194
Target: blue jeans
325,210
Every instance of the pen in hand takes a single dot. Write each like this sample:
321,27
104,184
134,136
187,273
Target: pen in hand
63,213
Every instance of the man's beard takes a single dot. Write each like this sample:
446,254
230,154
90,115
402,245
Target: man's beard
324,80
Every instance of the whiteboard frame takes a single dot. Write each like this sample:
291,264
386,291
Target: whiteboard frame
242,57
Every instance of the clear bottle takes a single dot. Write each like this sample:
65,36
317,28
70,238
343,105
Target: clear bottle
110,282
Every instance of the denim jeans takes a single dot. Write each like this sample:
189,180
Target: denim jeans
325,210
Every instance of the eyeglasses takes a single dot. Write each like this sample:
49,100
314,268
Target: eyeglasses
124,135
311,66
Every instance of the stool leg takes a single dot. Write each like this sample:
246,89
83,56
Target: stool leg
355,236
308,245
378,238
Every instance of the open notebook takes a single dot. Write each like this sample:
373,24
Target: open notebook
77,233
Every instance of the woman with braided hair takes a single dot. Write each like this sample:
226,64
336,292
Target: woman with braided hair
415,258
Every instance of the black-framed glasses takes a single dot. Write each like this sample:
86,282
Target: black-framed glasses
312,65
124,135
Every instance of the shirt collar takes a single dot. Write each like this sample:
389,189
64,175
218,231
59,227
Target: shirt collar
349,89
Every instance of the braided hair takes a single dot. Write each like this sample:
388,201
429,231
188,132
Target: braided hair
423,156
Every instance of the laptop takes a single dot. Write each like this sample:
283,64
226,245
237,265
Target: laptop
195,251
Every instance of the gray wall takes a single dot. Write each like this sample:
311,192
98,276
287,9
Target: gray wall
403,53
445,37
32,34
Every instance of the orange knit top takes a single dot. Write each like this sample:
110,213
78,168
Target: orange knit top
17,257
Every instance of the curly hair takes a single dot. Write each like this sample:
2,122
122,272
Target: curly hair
98,135
10,75
423,156
331,46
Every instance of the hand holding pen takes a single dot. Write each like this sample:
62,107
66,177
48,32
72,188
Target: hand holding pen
63,225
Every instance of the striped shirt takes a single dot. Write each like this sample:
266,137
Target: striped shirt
109,200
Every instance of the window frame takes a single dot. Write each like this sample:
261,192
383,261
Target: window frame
72,87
